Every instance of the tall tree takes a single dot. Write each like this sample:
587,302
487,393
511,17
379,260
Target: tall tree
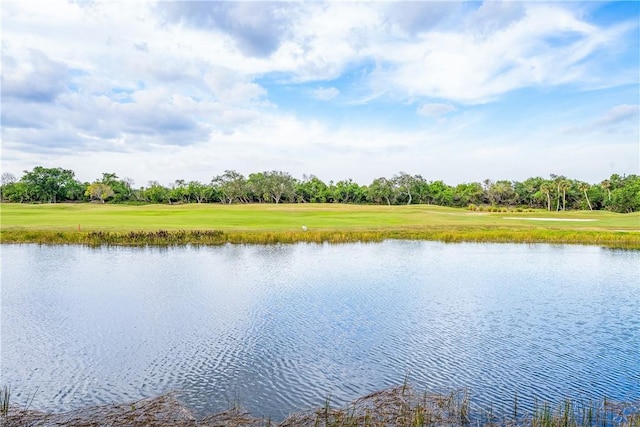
546,188
280,186
312,189
564,185
528,191
502,193
404,184
99,191
51,184
560,183
232,186
606,185
381,190
468,193
440,193
584,187
199,192
7,182
122,188
348,191
179,192
625,198
156,193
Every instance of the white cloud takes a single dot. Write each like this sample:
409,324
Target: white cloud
492,16
435,110
325,93
619,119
477,68
232,88
618,114
90,81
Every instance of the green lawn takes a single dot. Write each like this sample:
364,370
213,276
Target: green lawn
415,221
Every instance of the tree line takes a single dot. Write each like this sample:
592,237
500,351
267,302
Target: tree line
556,193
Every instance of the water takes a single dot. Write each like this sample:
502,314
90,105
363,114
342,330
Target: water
282,328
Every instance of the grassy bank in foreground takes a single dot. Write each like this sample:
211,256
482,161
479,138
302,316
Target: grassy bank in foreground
216,224
398,406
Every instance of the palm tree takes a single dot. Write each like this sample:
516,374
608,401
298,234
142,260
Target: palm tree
564,185
561,186
606,185
584,187
546,189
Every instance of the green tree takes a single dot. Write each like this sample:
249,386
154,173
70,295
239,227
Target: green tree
584,187
606,185
99,191
280,186
257,187
122,188
546,187
7,181
179,192
625,198
199,192
272,186
502,193
440,193
468,193
232,187
156,193
528,192
348,191
381,190
563,186
312,189
14,191
404,184
420,191
52,184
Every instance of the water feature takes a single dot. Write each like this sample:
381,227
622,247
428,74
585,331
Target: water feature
282,328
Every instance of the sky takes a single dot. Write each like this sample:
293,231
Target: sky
452,91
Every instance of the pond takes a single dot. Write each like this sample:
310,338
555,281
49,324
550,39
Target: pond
283,328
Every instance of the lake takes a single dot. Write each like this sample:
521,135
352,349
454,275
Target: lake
283,328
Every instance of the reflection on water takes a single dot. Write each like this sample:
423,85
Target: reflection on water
281,328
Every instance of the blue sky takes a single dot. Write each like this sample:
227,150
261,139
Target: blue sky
457,91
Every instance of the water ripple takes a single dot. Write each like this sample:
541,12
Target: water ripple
283,328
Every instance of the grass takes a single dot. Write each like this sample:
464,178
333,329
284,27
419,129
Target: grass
5,397
398,406
269,223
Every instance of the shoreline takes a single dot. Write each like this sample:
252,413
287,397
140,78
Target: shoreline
612,239
400,406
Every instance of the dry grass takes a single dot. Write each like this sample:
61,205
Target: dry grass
399,406
165,410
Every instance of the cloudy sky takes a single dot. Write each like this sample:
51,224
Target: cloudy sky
458,91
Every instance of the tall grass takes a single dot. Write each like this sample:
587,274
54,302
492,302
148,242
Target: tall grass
5,395
399,406
217,237
572,413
